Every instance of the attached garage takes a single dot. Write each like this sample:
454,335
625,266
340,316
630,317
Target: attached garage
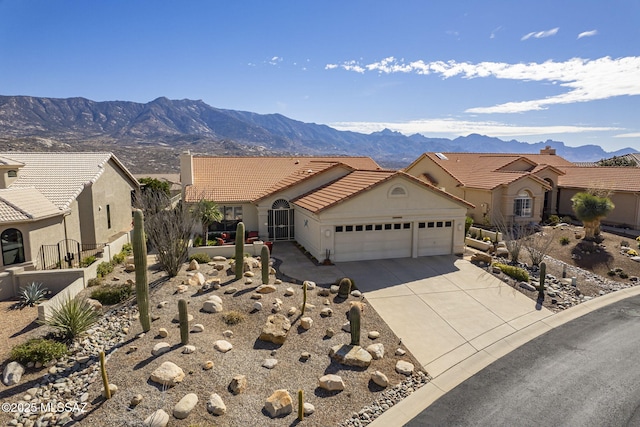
378,215
372,241
435,238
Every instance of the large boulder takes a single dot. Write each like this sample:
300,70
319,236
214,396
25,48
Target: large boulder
351,355
184,407
12,373
168,374
212,306
331,382
275,329
279,403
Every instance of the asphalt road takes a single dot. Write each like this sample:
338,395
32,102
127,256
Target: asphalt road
583,373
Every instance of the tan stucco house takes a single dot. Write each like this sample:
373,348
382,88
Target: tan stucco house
48,198
341,208
520,188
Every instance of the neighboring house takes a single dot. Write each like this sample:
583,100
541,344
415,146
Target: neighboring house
622,184
341,208
68,200
516,188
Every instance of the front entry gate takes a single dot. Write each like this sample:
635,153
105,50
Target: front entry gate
280,221
68,254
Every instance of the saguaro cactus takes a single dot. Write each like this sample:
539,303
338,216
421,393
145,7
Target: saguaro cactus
105,379
265,256
140,260
354,320
543,276
300,404
183,316
239,250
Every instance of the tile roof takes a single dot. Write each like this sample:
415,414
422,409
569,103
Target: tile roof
5,161
243,179
611,178
60,177
484,170
25,204
353,184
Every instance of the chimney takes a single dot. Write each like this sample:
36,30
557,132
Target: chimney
548,150
186,168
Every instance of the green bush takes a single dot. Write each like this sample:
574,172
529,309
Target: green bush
468,222
118,258
233,317
72,317
623,275
567,219
96,281
564,241
87,261
110,295
127,249
198,241
553,220
38,350
104,268
514,272
202,258
611,273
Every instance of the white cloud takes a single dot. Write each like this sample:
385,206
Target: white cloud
628,135
275,60
587,34
541,34
464,127
586,80
331,66
494,32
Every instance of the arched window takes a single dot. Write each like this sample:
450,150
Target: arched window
280,204
398,191
12,247
12,174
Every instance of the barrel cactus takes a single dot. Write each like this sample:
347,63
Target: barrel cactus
344,287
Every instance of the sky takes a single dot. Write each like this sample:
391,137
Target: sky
527,70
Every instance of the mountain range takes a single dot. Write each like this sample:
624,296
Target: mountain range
147,137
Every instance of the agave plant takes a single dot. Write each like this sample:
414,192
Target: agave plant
72,317
32,294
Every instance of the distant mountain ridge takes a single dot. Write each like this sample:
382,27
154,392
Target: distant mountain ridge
163,124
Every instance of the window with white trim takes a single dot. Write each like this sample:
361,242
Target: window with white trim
522,205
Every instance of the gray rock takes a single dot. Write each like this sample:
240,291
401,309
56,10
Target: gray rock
404,368
184,407
376,351
212,306
158,419
198,327
222,346
527,286
12,373
308,408
215,405
188,349
160,348
275,329
380,379
269,363
167,374
351,355
331,382
306,323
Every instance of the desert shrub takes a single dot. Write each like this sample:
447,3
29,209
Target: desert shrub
198,241
127,248
38,350
567,219
564,241
104,268
624,244
553,220
468,222
514,272
623,275
118,258
110,295
611,273
201,257
632,252
87,261
32,294
72,317
96,281
233,317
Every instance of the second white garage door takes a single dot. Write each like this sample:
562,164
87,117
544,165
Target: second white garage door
435,238
372,241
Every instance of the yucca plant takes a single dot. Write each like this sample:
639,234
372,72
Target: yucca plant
32,294
72,317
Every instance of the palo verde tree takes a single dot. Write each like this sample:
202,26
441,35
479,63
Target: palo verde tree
591,209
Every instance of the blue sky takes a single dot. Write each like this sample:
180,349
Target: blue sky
566,70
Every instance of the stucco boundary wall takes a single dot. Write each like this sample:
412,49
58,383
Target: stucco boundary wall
226,251
62,283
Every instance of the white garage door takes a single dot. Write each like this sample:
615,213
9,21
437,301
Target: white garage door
372,241
435,238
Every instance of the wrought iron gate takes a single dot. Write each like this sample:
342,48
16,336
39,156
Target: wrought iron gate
67,254
280,221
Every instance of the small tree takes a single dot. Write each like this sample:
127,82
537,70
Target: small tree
591,209
208,213
512,233
538,245
153,184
